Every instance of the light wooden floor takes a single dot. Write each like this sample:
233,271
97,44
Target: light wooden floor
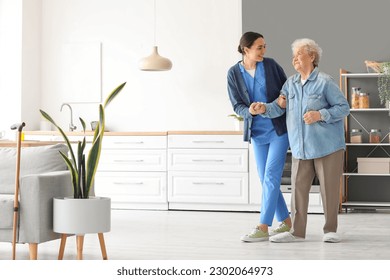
191,235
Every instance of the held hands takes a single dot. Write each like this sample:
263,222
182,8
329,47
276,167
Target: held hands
257,108
311,117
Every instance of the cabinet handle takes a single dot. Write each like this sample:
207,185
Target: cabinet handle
128,183
210,141
208,160
208,183
128,160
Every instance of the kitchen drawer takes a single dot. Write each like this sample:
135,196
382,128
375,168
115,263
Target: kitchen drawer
206,187
133,160
135,142
206,141
148,187
233,160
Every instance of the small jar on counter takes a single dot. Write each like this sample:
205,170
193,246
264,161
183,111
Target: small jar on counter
355,97
375,135
356,136
364,100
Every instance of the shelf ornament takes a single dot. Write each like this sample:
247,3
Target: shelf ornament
383,68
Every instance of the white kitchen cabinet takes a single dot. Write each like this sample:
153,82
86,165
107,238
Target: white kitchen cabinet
177,170
233,160
208,187
126,159
134,190
132,171
207,171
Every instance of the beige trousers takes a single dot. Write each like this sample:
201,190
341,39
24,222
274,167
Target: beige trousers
328,170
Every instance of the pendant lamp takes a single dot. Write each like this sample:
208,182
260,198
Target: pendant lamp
155,62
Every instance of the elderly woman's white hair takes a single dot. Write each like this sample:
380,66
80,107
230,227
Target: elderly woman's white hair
310,46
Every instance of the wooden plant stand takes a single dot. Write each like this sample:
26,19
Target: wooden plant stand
80,244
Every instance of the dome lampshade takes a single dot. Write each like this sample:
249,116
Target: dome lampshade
155,62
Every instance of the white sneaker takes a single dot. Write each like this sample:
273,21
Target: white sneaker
331,237
285,237
283,227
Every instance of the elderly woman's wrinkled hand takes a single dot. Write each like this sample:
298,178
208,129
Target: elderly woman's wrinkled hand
311,117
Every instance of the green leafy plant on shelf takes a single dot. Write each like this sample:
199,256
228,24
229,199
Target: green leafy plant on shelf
237,117
384,83
83,169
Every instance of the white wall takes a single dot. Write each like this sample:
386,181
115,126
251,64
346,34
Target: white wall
10,63
199,36
31,62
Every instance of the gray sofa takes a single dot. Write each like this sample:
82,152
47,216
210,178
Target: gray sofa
43,175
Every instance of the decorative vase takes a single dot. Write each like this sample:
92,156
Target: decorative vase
81,216
238,125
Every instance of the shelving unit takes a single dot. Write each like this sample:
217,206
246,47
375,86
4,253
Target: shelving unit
365,190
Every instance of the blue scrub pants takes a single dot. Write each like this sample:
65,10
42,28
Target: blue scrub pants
270,159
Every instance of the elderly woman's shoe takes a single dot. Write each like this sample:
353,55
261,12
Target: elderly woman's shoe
331,237
285,237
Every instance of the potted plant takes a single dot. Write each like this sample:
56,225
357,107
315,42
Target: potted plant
384,84
238,122
83,169
83,214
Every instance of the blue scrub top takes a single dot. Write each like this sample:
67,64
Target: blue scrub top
262,128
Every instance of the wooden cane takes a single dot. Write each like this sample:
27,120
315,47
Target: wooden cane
19,127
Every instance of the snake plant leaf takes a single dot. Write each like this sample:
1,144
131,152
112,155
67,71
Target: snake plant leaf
82,123
92,162
94,153
83,178
96,133
83,144
102,119
73,173
113,94
80,153
81,168
47,117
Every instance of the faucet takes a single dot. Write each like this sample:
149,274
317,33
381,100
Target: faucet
71,125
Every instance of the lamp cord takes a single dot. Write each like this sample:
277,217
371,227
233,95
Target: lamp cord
155,25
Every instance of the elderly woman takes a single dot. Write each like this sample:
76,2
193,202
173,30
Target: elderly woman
315,111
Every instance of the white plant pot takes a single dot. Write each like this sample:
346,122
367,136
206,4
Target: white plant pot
81,216
238,125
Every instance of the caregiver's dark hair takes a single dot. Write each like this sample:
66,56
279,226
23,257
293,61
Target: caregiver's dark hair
247,40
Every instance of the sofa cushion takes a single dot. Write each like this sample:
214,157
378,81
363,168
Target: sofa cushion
6,210
34,160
